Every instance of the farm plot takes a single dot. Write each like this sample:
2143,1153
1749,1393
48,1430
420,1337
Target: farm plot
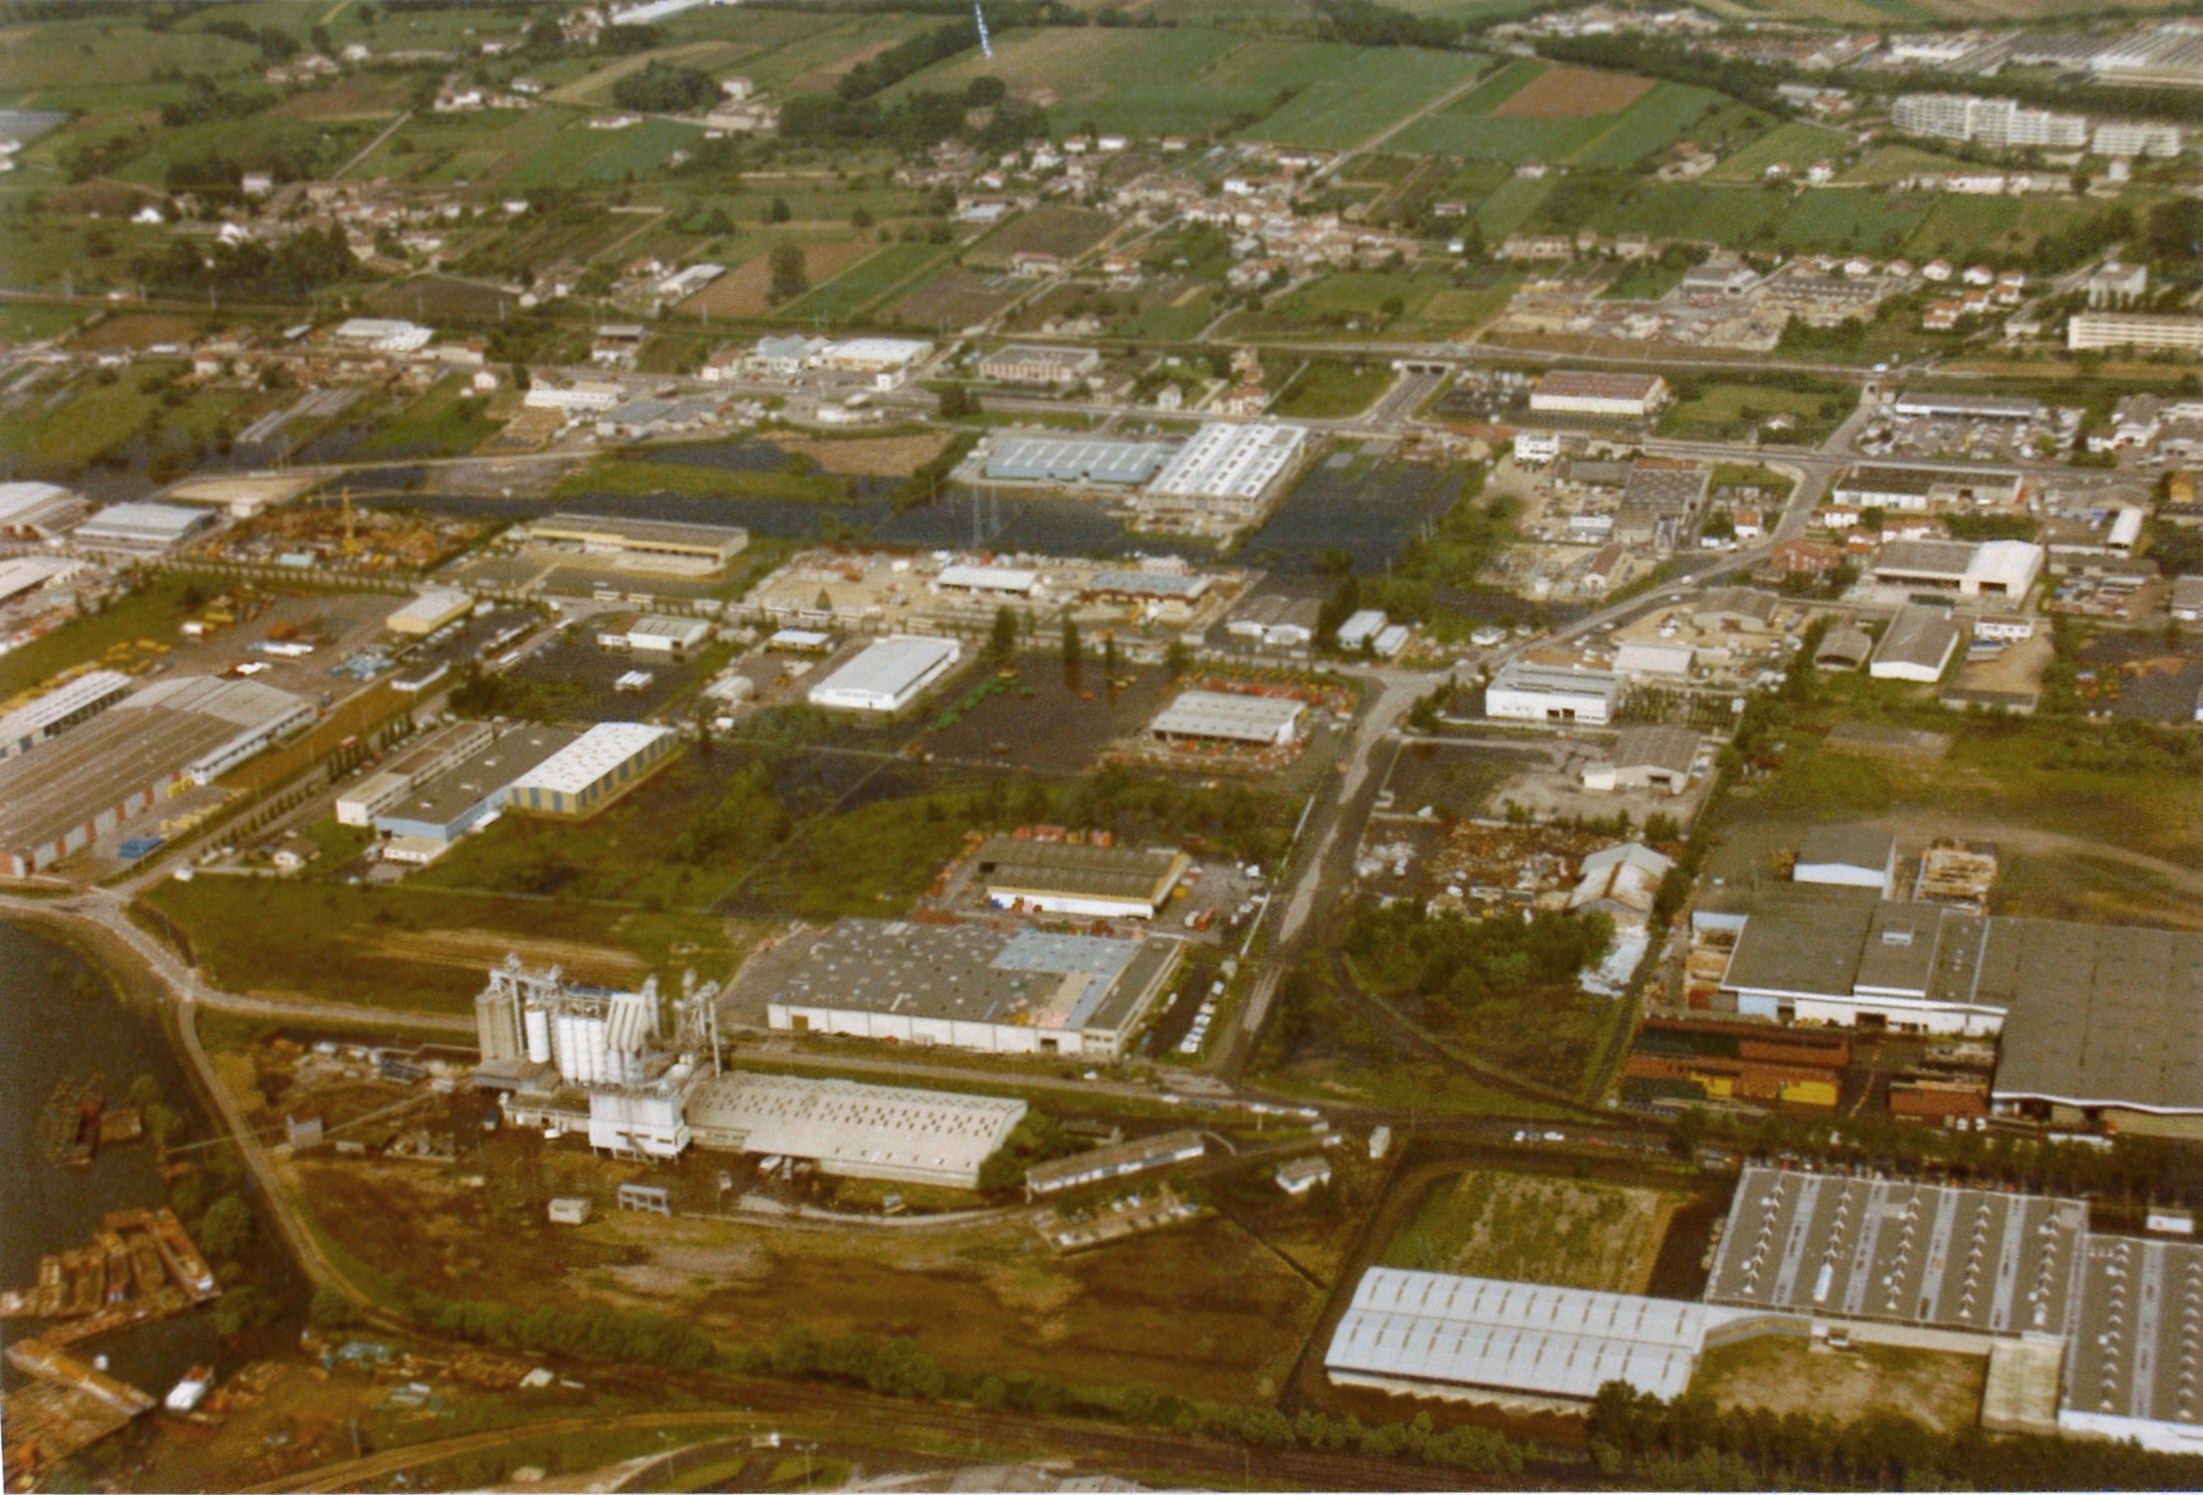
816,59
1843,220
856,288
1652,122
1573,93
1066,233
1341,110
746,290
580,154
1965,227
596,87
960,298
1527,1228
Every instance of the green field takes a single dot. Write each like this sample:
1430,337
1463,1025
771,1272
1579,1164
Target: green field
105,52
1647,127
1352,302
580,154
1511,205
862,284
151,613
1715,410
1327,389
1794,144
1840,220
1342,110
448,421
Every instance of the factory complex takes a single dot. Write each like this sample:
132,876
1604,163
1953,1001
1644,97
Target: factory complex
2090,1333
599,1062
965,986
147,747
459,777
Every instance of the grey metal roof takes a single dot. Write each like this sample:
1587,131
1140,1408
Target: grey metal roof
1227,715
1076,459
1846,845
449,796
853,1128
1918,636
1672,748
1936,559
2098,1014
1011,866
1924,1254
1517,1336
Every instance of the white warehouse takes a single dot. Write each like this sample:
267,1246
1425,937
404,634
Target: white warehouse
1539,693
888,675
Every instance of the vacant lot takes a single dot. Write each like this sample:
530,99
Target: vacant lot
880,456
1523,1227
1573,93
1782,1375
857,288
421,949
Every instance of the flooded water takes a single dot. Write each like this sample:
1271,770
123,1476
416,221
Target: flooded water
67,1022
1369,513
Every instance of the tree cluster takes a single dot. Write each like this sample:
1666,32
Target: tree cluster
301,264
662,89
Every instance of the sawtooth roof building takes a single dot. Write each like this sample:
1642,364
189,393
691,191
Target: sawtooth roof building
965,986
1058,877
2131,1367
1075,459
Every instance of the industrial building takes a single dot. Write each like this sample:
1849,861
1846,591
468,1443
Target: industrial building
1115,1160
1993,568
438,607
1929,1265
1849,957
1058,877
1477,1339
443,803
2137,1340
1930,405
1847,856
887,675
1231,464
2103,1023
59,709
1917,645
142,527
1542,693
590,772
1166,587
1646,758
416,763
653,634
875,355
1227,716
852,1130
1689,1062
992,581
715,544
148,747
1880,486
966,986
1616,396
1018,458
1026,364
37,511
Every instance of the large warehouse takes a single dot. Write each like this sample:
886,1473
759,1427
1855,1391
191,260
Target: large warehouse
1994,568
416,763
1227,716
1614,396
965,986
428,611
60,709
37,511
716,544
852,1130
145,748
1057,877
590,772
2102,1021
1931,1260
1849,957
1075,459
2131,1368
1917,645
1477,1339
145,527
441,802
1540,693
888,675
1232,464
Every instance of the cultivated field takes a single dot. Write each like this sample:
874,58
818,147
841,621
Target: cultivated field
1526,1227
1340,111
745,291
959,298
1573,93
1063,232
